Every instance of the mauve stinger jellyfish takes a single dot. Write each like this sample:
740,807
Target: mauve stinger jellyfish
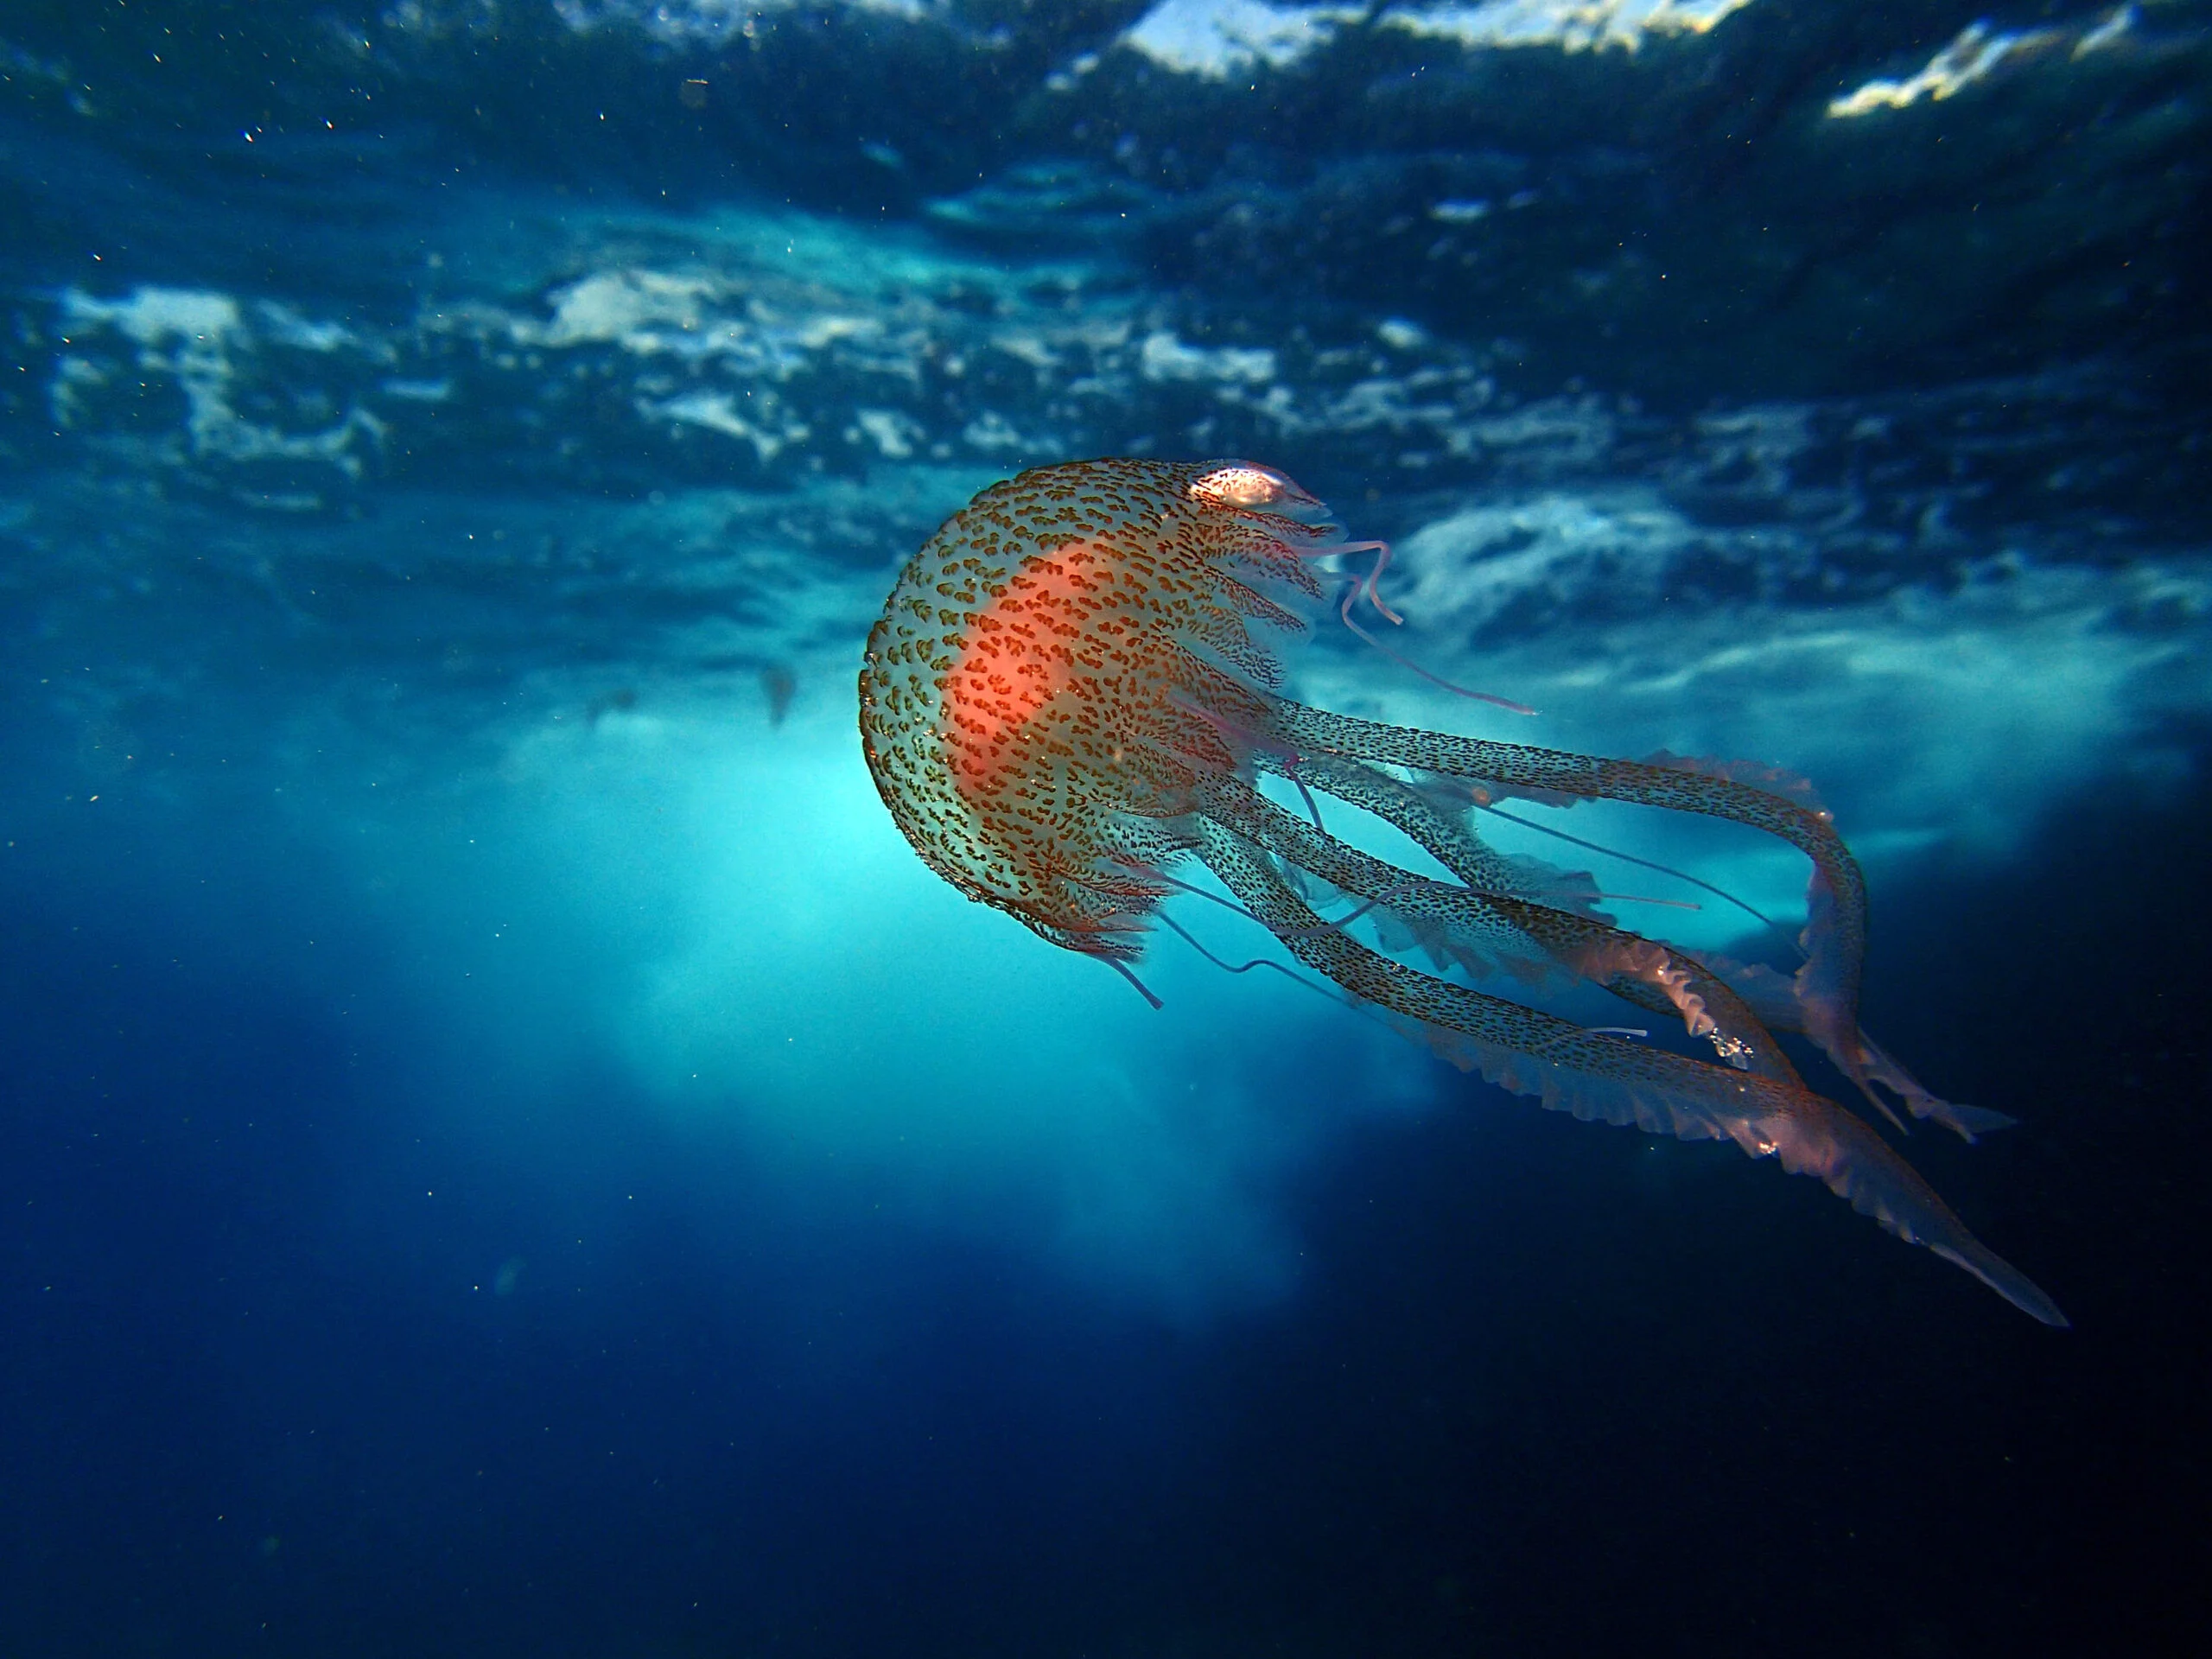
1065,701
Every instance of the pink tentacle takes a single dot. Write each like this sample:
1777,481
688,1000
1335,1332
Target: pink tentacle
1370,585
1343,614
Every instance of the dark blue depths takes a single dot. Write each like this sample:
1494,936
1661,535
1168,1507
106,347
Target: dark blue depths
265,1394
382,574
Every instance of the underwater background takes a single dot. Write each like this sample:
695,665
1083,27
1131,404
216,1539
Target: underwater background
503,1148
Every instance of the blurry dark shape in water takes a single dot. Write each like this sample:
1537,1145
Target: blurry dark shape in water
692,93
1104,713
509,1275
1048,204
781,685
621,701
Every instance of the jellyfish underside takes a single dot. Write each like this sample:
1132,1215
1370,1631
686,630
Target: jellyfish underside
1064,702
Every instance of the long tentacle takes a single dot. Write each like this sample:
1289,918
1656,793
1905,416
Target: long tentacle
1447,839
1651,976
1776,1002
1773,996
1835,931
1660,978
1593,1074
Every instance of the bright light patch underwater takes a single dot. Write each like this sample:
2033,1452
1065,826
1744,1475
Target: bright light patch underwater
1063,702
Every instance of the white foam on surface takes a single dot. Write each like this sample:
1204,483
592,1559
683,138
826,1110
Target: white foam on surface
196,336
1977,53
1571,25
1981,53
1163,357
685,20
1218,39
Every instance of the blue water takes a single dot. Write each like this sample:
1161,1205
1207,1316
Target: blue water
504,1149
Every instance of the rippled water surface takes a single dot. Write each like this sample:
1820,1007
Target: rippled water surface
506,1149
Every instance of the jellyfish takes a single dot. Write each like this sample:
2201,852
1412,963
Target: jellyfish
1067,701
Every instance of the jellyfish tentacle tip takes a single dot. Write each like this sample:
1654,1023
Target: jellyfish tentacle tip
1130,974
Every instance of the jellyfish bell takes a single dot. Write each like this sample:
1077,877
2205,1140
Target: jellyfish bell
1067,700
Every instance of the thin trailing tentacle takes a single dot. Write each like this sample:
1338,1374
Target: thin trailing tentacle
1652,976
1774,996
1447,838
1558,834
1595,1075
1661,979
1798,1008
1835,930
